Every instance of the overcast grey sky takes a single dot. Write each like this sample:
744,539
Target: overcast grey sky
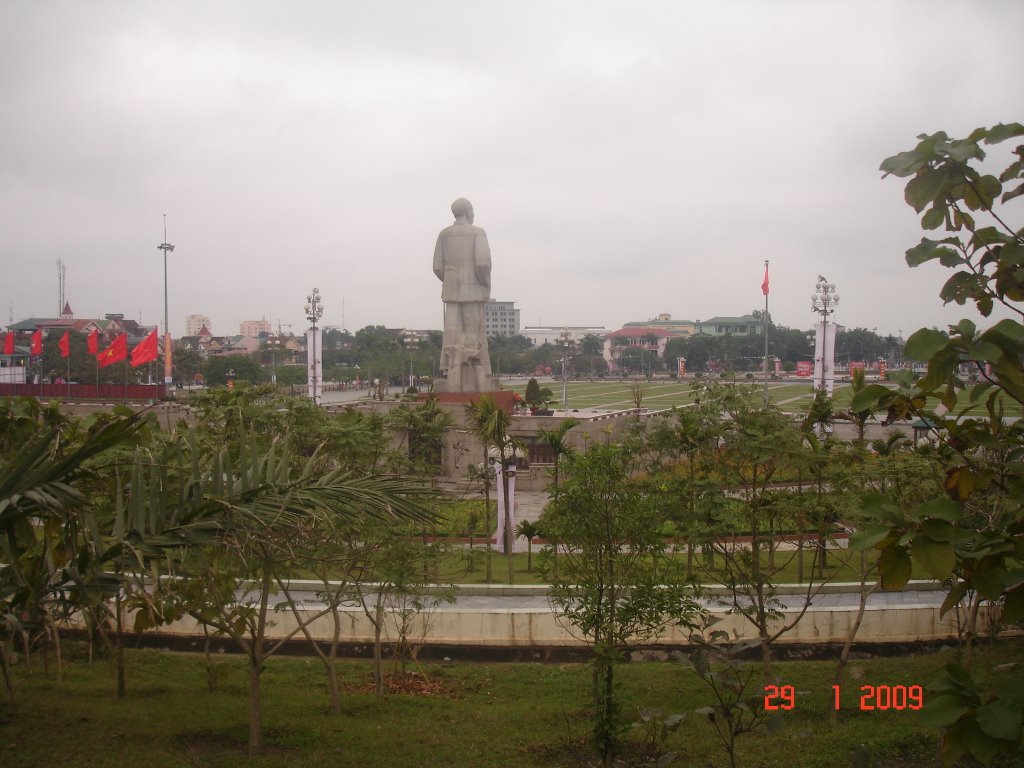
626,159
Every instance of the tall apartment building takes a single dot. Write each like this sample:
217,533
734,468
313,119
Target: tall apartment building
195,323
253,328
501,318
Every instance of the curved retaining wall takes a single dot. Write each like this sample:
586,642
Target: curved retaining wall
520,617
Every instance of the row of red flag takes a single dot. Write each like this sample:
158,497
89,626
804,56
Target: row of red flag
144,352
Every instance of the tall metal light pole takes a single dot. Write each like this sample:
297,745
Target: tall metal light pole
565,336
168,364
764,290
411,341
824,302
314,311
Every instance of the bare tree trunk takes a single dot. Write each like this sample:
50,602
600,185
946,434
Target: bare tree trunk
211,673
6,669
508,533
121,687
330,658
333,687
844,655
609,708
255,705
58,652
971,629
26,646
256,657
378,656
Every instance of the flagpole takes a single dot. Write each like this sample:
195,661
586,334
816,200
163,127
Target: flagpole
766,335
67,378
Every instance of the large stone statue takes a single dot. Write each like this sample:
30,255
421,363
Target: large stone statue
462,261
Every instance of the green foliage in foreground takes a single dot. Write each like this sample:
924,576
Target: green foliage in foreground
485,715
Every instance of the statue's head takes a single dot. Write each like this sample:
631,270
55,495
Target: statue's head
463,209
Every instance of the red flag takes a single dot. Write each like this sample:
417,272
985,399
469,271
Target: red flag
764,283
144,351
37,342
92,341
9,343
116,352
65,345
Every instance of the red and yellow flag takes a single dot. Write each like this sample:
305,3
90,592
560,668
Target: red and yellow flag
92,341
764,283
9,343
115,353
65,345
145,351
37,342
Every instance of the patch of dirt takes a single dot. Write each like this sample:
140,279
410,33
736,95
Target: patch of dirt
410,684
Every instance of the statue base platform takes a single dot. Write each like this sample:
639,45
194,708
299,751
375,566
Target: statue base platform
504,399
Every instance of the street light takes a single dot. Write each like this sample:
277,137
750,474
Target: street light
411,341
166,247
824,302
565,337
314,311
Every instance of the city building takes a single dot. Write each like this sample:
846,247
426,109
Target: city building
664,322
501,318
552,334
195,323
745,325
109,327
253,328
635,339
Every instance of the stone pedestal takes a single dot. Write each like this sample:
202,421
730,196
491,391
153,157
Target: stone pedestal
491,385
505,400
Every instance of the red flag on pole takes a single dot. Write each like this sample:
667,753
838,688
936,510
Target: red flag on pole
145,350
764,283
92,341
65,345
9,343
37,342
115,353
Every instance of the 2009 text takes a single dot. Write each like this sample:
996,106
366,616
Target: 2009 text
872,697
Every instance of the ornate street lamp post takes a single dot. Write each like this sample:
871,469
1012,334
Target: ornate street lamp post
824,302
314,311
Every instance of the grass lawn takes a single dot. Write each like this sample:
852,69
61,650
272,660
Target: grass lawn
790,397
474,715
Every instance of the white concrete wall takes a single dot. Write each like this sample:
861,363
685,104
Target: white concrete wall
540,627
